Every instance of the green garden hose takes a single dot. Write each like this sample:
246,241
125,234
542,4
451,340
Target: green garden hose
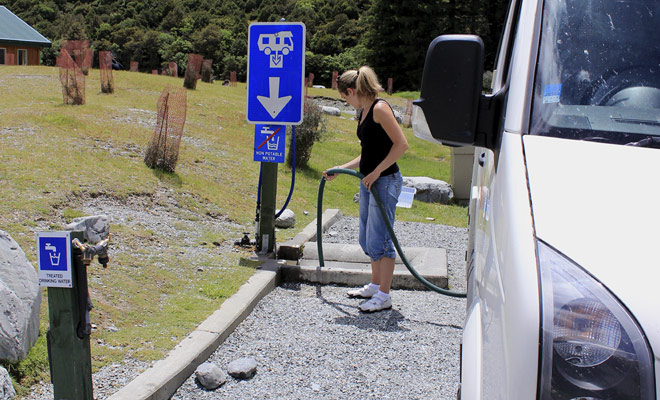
319,233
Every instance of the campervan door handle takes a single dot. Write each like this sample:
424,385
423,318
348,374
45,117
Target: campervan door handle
482,159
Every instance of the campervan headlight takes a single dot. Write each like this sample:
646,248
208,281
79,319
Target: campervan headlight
592,348
420,126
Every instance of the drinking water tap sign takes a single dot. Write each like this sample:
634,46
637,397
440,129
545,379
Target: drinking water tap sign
269,143
54,255
275,75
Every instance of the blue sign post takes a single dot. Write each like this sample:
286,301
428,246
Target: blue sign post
275,97
275,75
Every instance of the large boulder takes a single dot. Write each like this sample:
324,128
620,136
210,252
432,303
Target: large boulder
20,301
430,190
6,387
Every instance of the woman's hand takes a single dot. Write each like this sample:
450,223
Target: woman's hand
329,177
369,180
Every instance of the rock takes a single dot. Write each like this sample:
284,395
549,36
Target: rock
318,87
430,190
286,220
95,228
210,376
6,387
356,198
20,301
330,110
243,368
397,116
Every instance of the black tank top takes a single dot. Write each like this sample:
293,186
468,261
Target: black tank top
375,143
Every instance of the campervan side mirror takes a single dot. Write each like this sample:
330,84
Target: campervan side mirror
448,107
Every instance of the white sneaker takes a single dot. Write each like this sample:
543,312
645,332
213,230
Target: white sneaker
376,304
364,292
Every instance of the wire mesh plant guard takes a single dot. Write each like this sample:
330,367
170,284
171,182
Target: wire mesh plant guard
72,79
192,71
105,64
80,52
207,71
163,150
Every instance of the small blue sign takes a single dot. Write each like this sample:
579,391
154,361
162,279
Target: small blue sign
269,143
276,65
551,93
54,253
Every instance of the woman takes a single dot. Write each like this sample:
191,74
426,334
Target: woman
383,143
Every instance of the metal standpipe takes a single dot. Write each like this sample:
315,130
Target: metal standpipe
69,353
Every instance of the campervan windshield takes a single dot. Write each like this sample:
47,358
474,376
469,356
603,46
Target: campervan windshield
598,72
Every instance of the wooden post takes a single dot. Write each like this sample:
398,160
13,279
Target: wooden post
266,228
68,354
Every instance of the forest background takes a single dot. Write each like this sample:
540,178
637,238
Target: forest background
392,36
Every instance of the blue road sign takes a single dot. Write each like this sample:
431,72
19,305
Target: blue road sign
54,253
269,143
276,65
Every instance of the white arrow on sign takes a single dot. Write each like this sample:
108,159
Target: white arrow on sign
274,104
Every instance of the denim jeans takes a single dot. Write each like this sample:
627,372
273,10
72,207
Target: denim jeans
374,237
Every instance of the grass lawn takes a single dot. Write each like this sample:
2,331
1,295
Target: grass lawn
172,259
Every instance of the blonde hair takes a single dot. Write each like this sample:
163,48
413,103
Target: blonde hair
364,81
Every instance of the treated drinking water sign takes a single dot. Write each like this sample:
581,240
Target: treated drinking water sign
54,253
276,64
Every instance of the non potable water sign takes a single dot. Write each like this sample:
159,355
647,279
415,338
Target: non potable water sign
275,75
269,143
54,254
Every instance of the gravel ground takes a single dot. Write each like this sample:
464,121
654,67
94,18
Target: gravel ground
311,342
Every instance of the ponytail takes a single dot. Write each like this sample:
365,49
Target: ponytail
364,81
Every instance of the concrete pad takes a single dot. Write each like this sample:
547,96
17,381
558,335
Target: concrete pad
163,379
292,249
348,265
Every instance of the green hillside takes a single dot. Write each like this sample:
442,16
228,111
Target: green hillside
391,36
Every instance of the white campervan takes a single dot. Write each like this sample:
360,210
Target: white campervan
564,255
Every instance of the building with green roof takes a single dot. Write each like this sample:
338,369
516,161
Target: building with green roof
20,44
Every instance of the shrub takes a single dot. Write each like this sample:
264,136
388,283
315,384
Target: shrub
311,130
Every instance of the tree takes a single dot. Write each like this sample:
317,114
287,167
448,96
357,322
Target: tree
399,34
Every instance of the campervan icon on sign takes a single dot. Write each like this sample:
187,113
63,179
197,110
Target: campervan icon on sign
277,42
276,45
